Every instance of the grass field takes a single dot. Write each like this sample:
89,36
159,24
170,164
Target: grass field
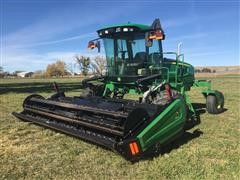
209,150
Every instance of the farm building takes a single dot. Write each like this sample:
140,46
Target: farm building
24,74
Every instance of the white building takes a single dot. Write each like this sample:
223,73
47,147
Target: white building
24,74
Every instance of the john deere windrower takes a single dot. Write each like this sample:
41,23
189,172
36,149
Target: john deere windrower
136,66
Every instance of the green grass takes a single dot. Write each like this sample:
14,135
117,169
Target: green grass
32,152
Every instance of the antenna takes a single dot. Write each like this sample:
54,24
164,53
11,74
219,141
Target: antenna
179,48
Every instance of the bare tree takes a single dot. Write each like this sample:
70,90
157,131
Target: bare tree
206,70
197,71
98,65
70,68
84,64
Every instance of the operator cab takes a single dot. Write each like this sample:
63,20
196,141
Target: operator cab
132,50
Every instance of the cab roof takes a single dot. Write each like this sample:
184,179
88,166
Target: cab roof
139,26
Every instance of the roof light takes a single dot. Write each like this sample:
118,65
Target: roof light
125,29
106,31
118,29
130,29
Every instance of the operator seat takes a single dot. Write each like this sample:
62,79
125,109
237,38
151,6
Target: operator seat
140,57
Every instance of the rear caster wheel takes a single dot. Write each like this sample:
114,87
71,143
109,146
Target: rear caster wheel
215,105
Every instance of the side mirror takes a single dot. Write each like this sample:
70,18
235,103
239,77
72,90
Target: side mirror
157,34
92,45
157,31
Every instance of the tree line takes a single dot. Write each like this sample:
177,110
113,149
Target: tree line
205,70
86,66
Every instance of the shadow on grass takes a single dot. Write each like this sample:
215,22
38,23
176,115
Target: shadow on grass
200,108
185,136
37,87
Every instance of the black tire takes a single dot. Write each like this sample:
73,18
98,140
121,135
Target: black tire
212,104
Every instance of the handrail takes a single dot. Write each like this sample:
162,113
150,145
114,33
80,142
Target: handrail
179,58
159,68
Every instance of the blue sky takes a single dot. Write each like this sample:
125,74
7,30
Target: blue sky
35,33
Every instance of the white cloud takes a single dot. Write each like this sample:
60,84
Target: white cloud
77,37
30,61
20,49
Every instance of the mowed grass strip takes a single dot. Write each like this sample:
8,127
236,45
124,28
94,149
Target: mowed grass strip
32,152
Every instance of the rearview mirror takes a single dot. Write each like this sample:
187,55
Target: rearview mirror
92,45
158,35
148,42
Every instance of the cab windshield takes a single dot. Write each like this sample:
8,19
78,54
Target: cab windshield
128,55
